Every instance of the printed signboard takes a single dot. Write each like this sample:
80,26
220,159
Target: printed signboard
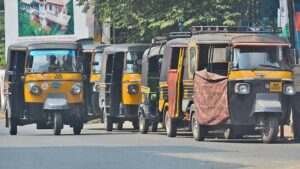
45,17
43,20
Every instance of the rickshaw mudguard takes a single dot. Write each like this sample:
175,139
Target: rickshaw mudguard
266,103
56,101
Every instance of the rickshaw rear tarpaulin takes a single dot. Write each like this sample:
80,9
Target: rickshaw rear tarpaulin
210,98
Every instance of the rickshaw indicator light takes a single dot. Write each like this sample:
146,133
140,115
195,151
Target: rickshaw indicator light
289,90
76,89
35,89
242,88
132,89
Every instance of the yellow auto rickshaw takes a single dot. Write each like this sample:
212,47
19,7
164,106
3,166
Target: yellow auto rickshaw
120,85
93,53
43,85
243,82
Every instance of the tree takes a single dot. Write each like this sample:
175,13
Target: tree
139,21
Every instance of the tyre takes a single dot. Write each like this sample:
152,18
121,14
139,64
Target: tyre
171,127
78,126
13,126
119,125
57,123
108,123
135,125
154,127
270,131
199,132
143,124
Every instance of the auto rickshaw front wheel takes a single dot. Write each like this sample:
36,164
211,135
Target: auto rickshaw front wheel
144,124
171,127
13,127
270,130
57,123
199,132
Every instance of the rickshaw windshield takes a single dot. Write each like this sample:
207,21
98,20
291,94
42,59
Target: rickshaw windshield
258,57
97,58
43,61
133,62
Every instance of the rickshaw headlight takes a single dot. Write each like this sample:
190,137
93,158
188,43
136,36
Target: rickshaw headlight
35,89
133,89
289,90
76,89
242,88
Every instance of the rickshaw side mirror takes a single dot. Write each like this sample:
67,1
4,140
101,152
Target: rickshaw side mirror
228,53
95,63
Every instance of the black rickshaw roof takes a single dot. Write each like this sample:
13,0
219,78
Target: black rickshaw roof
36,45
154,51
126,47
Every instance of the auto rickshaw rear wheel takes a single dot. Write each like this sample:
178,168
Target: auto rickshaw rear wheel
199,132
57,123
229,133
77,127
108,123
144,124
13,127
171,127
119,125
270,131
154,127
135,125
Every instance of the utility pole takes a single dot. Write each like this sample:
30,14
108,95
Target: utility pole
97,24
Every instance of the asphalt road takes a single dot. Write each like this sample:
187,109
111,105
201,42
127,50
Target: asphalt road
127,149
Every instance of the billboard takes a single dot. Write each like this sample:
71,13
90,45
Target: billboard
45,17
42,20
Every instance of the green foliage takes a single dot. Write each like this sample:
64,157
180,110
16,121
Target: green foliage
70,29
139,21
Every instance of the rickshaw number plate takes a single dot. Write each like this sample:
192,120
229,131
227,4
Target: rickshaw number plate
55,85
275,86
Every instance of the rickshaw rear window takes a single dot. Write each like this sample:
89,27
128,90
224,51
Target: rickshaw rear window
134,62
42,61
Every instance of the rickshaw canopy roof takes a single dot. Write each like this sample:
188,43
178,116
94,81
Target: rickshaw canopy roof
35,45
94,47
125,47
235,38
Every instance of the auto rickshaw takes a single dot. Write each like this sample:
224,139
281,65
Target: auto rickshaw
93,53
151,64
173,63
120,85
43,85
243,82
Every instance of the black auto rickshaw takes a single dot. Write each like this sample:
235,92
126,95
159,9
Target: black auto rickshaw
43,85
93,53
243,82
148,111
120,85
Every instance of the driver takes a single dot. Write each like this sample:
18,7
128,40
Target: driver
52,64
49,66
